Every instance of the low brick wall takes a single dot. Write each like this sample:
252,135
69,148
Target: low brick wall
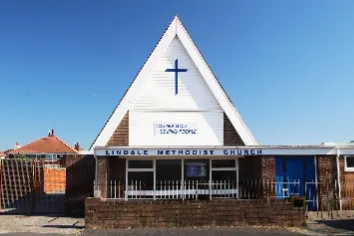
135,214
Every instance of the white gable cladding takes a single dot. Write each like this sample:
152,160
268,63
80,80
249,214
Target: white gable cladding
136,99
209,126
194,107
158,92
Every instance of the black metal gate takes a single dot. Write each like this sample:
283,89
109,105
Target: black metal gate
32,186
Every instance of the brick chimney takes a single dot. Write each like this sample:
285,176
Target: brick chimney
77,147
17,145
51,133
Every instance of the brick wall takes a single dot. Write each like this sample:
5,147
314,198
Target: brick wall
231,137
326,176
80,175
54,179
123,214
268,167
268,174
120,136
102,175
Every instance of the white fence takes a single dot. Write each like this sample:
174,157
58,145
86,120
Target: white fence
188,189
318,196
173,189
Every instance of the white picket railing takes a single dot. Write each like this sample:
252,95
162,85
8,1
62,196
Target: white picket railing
173,189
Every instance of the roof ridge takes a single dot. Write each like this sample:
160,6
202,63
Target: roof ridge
26,145
70,147
42,138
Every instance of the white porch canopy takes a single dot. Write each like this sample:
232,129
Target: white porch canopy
257,150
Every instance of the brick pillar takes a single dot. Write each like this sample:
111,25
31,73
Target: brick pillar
268,175
102,167
327,174
268,167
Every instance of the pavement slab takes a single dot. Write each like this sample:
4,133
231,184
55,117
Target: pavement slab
40,224
204,231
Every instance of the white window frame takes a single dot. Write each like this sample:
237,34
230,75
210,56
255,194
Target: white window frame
212,169
346,168
153,170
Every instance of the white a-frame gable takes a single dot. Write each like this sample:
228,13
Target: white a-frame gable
194,97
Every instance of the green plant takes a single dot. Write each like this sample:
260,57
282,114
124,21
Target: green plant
20,156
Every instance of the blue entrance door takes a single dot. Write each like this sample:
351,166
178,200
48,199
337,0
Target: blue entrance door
292,173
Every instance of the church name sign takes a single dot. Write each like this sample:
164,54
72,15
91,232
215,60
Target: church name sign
175,129
179,152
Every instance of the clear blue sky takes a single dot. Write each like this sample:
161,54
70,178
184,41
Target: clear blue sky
288,66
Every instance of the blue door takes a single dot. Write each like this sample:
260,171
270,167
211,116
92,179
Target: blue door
292,173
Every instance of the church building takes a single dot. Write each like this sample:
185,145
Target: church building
175,133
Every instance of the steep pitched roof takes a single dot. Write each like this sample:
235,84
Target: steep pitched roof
46,144
175,29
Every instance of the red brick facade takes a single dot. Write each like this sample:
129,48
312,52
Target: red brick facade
120,136
136,214
231,137
102,175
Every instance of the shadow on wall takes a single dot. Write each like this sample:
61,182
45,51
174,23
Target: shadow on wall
80,176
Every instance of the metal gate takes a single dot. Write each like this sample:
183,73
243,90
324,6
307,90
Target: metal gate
32,186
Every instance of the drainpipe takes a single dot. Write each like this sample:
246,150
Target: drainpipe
338,178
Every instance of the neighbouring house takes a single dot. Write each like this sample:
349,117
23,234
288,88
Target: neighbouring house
48,147
48,154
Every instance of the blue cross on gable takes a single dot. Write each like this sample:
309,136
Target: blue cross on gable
176,70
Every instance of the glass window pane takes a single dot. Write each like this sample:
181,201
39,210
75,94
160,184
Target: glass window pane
350,162
224,176
168,170
196,170
141,180
141,164
223,163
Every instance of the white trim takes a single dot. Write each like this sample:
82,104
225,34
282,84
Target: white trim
210,179
237,177
211,151
86,152
175,29
185,192
140,169
154,181
224,169
126,179
316,181
338,179
182,177
346,168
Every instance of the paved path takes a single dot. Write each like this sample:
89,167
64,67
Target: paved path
191,232
175,232
40,224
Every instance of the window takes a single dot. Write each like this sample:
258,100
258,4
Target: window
140,164
140,178
349,163
224,163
